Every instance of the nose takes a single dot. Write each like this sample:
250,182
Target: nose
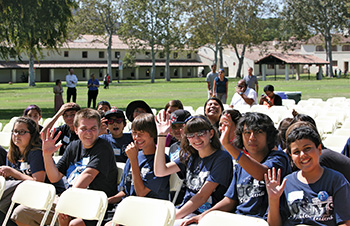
252,136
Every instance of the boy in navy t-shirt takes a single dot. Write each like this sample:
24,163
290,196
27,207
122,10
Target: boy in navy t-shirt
118,140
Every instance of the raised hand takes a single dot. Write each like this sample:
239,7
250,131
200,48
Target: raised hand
49,145
132,150
273,183
163,123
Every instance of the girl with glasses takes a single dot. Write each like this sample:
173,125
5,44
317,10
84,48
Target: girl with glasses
207,169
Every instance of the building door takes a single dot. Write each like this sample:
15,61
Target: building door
346,66
44,75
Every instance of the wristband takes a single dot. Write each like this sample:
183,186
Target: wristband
162,135
239,156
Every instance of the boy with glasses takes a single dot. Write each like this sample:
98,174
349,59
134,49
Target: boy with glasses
118,140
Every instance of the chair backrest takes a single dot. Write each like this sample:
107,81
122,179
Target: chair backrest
221,218
175,185
8,127
82,203
120,168
5,139
35,195
2,185
136,211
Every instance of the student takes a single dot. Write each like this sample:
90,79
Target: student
25,160
177,119
246,195
103,106
230,119
213,108
206,168
170,107
136,108
87,162
314,195
117,139
67,130
33,112
138,176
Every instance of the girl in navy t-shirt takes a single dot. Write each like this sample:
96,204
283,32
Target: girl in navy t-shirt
206,168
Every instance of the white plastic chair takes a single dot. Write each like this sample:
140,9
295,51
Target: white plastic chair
335,143
8,127
175,185
13,119
0,126
136,211
221,218
342,132
35,195
120,168
82,203
200,111
5,139
2,185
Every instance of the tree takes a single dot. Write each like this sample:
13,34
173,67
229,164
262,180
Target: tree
246,28
141,27
29,26
99,17
325,17
209,22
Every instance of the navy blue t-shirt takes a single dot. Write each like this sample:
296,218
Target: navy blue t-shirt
216,168
159,186
325,202
220,85
119,145
250,193
35,163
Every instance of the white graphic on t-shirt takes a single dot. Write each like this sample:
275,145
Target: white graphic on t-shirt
250,190
301,208
196,181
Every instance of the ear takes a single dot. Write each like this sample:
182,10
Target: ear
212,132
320,148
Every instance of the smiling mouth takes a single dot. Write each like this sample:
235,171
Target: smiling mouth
305,161
115,129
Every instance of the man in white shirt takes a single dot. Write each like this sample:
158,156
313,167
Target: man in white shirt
210,80
71,80
243,95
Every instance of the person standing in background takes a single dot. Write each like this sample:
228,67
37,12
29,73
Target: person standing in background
71,80
93,85
210,80
251,80
57,89
220,86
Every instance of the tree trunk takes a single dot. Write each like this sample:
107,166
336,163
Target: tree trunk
221,57
109,56
31,78
167,67
330,71
326,48
240,61
153,75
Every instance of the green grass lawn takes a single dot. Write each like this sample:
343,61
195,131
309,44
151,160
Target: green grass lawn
191,91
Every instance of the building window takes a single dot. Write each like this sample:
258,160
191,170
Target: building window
189,72
335,63
117,55
161,73
345,48
66,54
282,66
334,49
147,72
161,55
101,73
85,54
175,55
84,73
319,48
148,54
101,54
189,56
270,66
116,73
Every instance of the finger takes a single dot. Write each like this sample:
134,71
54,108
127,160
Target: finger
274,173
57,136
283,185
266,179
279,176
269,174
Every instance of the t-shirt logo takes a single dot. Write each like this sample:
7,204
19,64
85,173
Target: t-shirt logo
74,170
252,189
196,181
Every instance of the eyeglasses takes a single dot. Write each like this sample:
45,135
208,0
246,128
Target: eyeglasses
118,120
19,132
240,86
199,134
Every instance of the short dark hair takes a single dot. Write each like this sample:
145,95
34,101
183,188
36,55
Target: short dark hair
299,132
269,88
174,103
58,81
256,121
103,102
217,100
235,114
145,122
32,107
